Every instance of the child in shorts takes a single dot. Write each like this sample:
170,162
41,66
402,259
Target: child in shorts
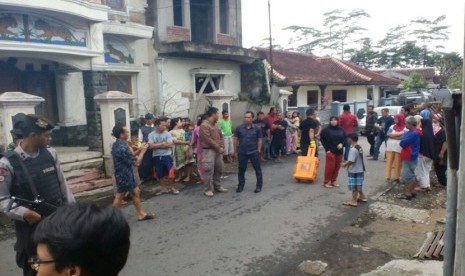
356,170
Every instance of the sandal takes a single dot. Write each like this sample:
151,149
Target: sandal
161,192
335,185
348,203
328,186
174,191
147,217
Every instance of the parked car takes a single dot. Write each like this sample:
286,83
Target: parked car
393,110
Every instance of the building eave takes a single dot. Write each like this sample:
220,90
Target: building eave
83,9
189,49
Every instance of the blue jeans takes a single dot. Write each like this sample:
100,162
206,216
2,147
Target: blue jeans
255,160
378,142
267,147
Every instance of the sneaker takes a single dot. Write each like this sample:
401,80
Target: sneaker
221,190
208,193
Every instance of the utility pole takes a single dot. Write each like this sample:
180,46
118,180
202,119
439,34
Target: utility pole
454,241
459,264
271,44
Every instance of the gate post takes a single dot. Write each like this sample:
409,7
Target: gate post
114,108
12,104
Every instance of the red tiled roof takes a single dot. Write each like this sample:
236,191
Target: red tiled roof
304,69
427,72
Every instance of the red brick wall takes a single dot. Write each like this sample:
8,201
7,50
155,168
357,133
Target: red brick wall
225,39
177,33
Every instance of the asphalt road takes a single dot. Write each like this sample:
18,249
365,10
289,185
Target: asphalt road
268,233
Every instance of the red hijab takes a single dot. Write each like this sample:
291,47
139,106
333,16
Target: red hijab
400,122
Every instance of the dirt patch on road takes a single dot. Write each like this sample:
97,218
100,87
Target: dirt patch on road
389,229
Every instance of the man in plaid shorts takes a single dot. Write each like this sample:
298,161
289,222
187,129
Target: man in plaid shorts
356,169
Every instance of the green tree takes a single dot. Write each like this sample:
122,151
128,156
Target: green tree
409,55
365,57
341,28
431,33
455,80
415,80
448,65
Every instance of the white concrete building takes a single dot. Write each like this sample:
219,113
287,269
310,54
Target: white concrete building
68,51
199,45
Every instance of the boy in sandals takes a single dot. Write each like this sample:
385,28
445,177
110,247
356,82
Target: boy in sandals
356,169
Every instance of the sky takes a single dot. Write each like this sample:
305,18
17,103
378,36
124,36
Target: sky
384,15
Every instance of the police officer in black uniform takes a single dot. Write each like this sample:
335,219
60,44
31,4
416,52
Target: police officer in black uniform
32,184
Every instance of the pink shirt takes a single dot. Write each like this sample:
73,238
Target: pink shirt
196,137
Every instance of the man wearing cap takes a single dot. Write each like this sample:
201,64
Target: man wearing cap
31,172
145,168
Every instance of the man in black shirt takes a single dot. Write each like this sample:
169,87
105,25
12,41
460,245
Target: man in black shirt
309,128
278,129
370,129
265,127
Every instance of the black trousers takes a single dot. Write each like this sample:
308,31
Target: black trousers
371,140
440,167
278,146
254,158
145,168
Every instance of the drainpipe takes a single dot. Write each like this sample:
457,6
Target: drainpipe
161,90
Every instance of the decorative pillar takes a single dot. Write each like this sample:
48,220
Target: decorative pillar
186,14
114,108
65,106
12,104
216,20
284,99
94,83
220,99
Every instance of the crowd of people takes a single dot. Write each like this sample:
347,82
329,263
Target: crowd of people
177,150
414,143
173,150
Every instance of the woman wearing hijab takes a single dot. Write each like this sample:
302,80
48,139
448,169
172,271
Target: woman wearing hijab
393,148
333,140
426,156
440,150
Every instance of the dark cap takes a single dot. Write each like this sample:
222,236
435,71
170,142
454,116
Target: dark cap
149,116
33,123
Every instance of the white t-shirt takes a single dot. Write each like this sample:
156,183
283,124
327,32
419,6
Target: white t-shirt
394,144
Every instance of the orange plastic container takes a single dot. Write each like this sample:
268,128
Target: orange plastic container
306,169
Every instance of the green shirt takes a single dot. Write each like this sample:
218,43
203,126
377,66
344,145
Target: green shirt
226,127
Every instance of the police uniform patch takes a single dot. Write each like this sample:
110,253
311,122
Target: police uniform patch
41,123
2,178
3,171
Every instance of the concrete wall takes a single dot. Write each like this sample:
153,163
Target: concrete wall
354,92
178,80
